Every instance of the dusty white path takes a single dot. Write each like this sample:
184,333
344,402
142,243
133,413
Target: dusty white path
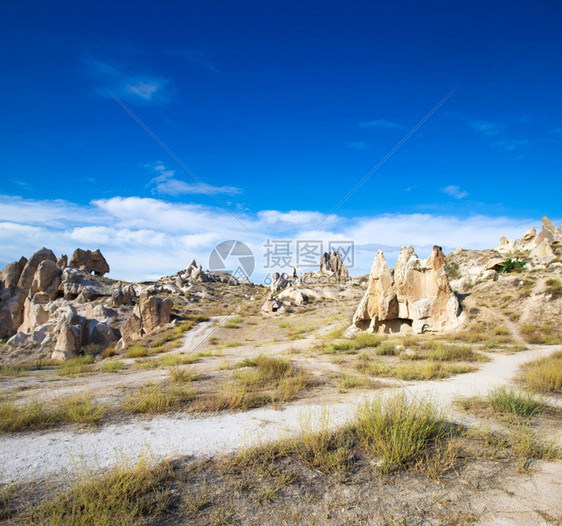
38,454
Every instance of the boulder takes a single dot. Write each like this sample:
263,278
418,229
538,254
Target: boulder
154,312
98,333
415,297
123,295
543,253
271,305
19,338
91,261
34,312
28,273
47,278
68,341
294,296
131,330
11,273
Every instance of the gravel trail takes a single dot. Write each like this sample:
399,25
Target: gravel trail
25,456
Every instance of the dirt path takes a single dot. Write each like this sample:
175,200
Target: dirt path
29,455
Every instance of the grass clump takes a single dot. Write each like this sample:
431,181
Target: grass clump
544,374
123,495
76,366
256,382
184,375
32,415
414,371
439,352
159,398
543,334
510,402
112,366
348,381
137,351
399,430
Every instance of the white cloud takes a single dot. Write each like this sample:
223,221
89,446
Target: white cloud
167,184
454,191
144,238
129,86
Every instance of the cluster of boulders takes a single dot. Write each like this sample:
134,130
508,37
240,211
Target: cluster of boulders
542,248
65,306
414,297
290,290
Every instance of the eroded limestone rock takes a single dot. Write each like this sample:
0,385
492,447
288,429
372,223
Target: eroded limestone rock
91,261
415,297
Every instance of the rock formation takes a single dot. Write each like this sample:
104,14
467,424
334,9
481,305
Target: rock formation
332,264
543,248
271,305
151,312
415,297
90,261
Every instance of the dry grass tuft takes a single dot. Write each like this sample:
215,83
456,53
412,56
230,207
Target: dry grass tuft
544,374
77,409
398,430
123,495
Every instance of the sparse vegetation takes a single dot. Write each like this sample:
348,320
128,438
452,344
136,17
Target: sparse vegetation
543,334
414,371
544,374
123,495
33,414
76,366
554,287
161,398
508,401
112,366
512,265
398,430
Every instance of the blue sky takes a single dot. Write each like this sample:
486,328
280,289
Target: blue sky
280,109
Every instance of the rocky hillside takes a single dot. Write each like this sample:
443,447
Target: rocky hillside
58,308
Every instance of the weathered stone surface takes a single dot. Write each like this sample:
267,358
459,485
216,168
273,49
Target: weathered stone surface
131,330
154,312
332,263
531,240
415,297
68,341
98,333
12,272
198,275
543,253
47,278
28,273
271,305
91,261
123,295
17,339
294,296
34,312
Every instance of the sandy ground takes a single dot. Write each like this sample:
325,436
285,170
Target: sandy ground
39,454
